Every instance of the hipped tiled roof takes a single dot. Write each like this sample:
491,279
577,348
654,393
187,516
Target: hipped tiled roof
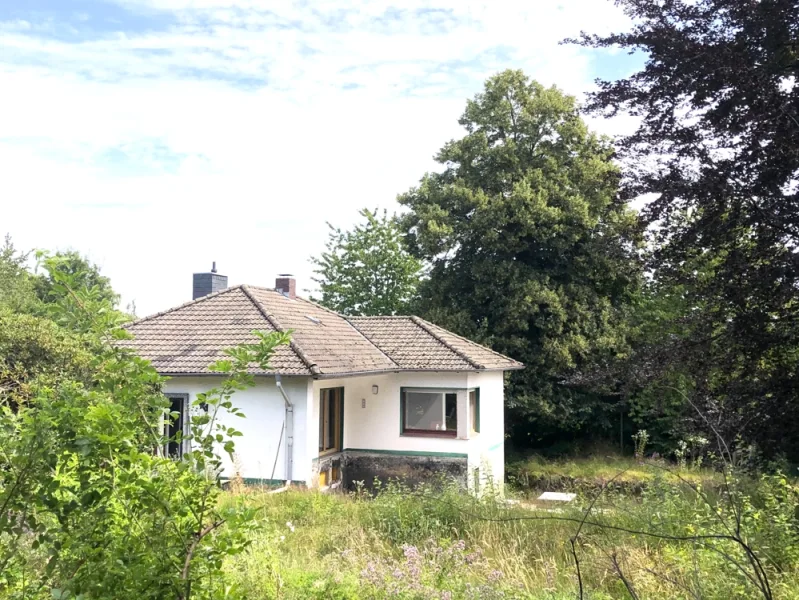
188,338
414,343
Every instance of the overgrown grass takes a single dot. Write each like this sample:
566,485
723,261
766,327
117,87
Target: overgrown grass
445,544
590,474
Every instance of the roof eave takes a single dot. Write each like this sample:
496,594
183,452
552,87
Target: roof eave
348,373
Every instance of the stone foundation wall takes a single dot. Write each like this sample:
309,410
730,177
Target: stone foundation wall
352,466
413,470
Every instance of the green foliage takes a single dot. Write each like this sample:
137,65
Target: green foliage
16,284
36,350
83,275
716,149
367,271
89,506
530,250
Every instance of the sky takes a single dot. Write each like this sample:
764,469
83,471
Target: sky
157,136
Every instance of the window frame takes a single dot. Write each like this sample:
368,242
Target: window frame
474,423
446,434
183,445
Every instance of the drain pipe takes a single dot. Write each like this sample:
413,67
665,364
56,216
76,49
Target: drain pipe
289,429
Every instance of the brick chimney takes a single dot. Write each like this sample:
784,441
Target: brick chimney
286,285
208,283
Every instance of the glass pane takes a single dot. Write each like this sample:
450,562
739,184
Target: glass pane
452,412
425,410
174,427
473,410
331,420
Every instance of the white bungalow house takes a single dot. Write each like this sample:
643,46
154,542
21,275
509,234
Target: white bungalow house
351,399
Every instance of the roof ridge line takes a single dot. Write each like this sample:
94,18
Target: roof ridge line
465,339
421,323
312,366
185,304
368,339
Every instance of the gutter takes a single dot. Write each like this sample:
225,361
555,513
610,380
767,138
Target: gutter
289,429
404,370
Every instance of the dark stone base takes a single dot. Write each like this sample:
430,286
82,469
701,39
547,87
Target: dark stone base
359,469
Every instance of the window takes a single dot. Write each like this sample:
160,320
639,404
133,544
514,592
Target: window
174,423
331,419
430,412
474,411
435,412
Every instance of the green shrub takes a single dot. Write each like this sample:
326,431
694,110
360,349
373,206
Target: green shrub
89,506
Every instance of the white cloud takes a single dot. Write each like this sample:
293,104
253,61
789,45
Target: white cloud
158,151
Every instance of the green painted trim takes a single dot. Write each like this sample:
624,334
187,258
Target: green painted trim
402,409
495,446
409,452
477,425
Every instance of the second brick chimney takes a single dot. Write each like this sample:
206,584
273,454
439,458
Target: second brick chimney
286,285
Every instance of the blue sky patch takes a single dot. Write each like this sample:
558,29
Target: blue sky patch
82,20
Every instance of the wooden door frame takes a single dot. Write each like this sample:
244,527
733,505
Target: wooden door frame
340,430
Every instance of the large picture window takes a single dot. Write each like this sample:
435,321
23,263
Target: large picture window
434,412
430,412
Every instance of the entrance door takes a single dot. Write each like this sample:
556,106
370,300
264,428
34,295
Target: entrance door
331,420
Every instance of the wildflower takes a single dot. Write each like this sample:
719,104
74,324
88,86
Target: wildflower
411,552
290,526
282,538
495,576
446,595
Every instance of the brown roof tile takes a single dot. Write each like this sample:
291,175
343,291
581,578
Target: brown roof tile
413,343
186,339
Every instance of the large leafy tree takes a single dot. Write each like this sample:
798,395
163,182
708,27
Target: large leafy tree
718,150
530,250
87,273
367,271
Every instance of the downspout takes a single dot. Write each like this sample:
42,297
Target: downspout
289,428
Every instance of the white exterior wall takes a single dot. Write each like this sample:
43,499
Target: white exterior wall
377,426
488,448
265,412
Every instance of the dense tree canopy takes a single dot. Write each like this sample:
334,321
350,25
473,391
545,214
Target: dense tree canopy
72,263
367,271
718,149
530,250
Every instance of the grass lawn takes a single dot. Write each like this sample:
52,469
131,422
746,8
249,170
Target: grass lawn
447,545
589,474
